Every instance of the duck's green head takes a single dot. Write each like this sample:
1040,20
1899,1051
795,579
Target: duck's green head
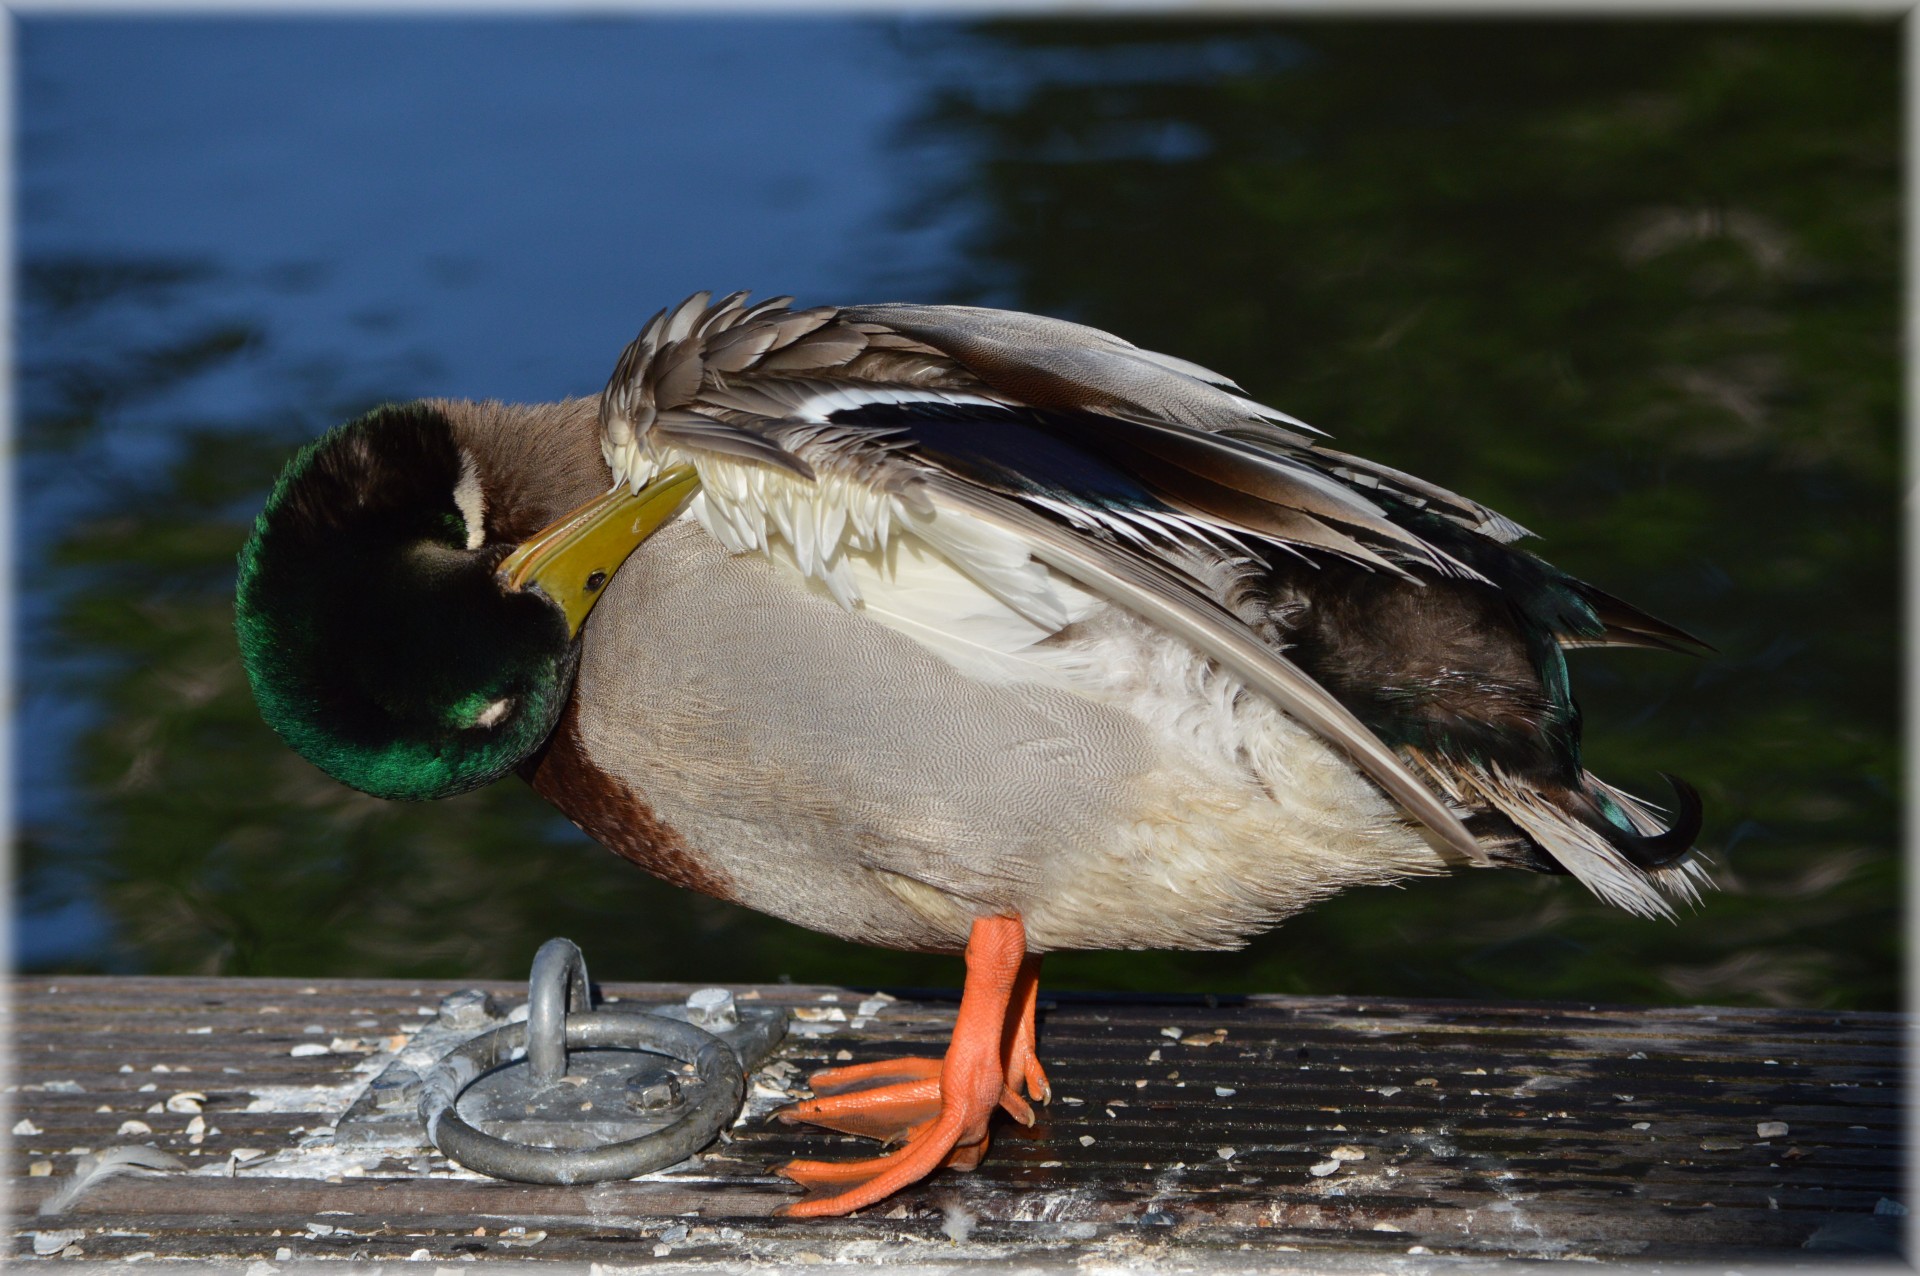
392,636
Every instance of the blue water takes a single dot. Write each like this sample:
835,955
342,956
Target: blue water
481,195
479,209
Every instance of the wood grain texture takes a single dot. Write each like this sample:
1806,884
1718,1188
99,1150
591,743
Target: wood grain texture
1485,1130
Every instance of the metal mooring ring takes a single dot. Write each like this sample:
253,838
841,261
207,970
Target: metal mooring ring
560,978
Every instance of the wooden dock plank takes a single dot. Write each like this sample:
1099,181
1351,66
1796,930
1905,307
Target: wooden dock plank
1308,1130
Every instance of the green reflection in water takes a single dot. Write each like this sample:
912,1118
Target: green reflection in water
1634,285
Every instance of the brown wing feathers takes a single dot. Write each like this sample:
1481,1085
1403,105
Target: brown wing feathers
763,383
707,360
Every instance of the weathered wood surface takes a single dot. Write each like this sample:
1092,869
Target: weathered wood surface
1308,1132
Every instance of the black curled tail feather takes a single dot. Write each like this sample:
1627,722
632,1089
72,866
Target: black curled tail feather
1614,843
1652,850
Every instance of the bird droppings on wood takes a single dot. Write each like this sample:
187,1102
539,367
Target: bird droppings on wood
1152,1185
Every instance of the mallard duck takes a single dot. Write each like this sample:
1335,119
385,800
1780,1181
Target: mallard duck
945,629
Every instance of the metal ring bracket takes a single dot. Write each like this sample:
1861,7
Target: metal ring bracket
527,1163
560,1018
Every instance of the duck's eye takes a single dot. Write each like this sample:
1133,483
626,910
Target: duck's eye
494,712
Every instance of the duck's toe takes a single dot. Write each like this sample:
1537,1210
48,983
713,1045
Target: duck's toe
869,1076
957,1138
892,1110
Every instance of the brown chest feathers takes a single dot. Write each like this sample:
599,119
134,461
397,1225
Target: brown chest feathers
612,814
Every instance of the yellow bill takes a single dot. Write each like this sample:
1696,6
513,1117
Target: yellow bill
571,560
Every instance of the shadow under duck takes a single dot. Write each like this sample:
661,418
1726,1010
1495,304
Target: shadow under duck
945,629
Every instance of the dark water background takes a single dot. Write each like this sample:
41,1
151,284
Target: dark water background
1634,284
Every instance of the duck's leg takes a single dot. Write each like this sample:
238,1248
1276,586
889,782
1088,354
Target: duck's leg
940,1107
891,1099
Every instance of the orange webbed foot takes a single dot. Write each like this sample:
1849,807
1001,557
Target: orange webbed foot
940,1108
